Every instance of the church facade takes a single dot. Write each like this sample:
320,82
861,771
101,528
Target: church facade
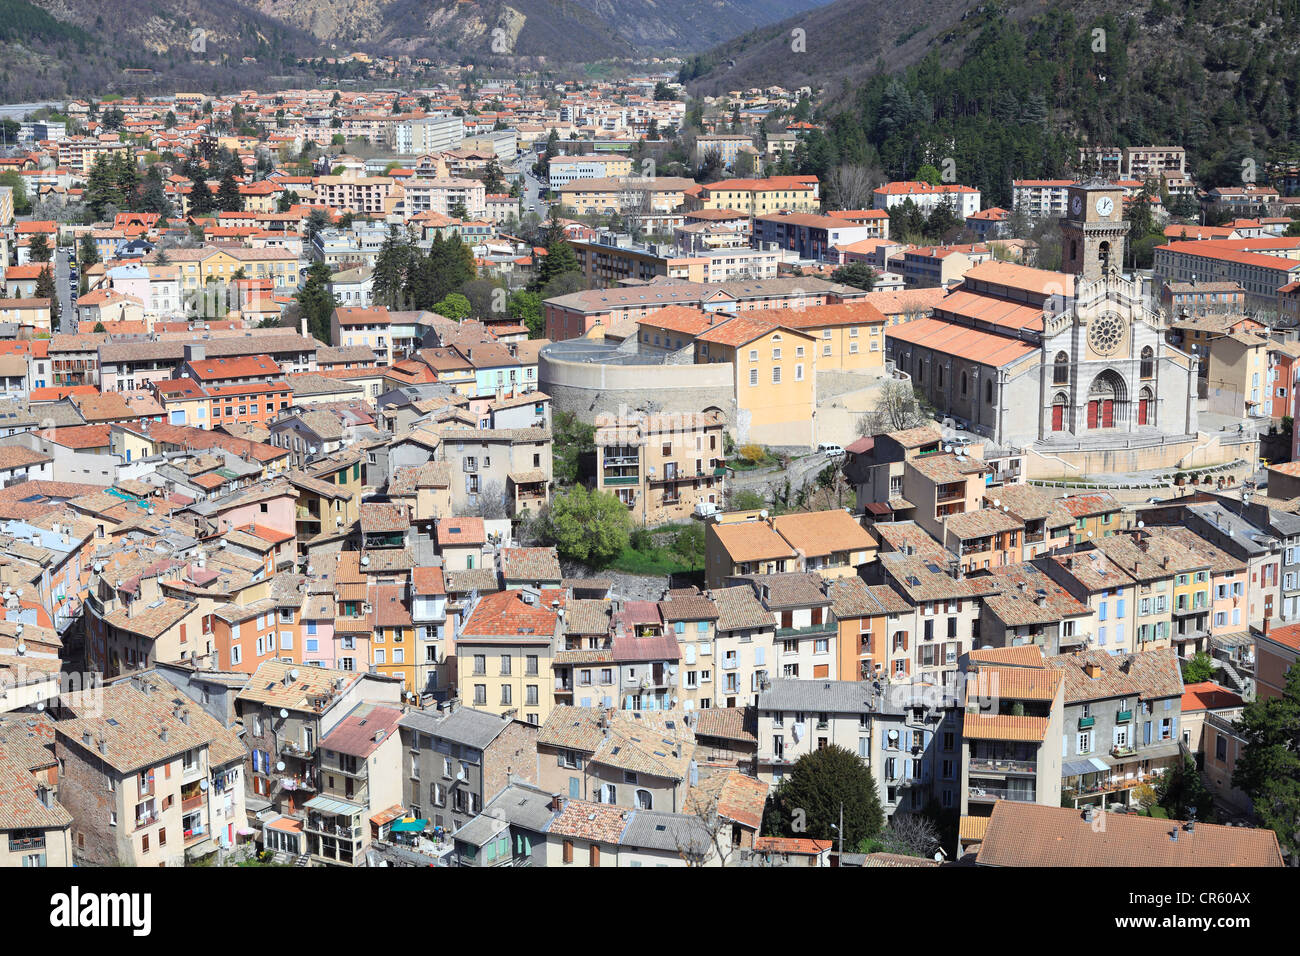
1073,368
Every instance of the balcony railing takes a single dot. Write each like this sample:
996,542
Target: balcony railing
1000,793
1123,716
1001,765
566,686
147,819
621,479
19,843
809,630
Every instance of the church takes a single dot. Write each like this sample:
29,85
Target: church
1072,369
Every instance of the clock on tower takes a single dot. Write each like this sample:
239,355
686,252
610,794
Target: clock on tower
1094,229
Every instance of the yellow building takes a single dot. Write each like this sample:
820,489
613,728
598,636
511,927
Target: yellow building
850,336
392,644
774,368
197,267
831,543
504,654
758,197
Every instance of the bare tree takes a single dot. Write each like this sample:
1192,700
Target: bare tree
705,835
849,186
911,834
492,500
897,407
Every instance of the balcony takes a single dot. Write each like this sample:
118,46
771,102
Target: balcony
1086,722
1003,765
826,628
564,685
20,840
147,819
620,480
990,794
292,748
1124,750
1123,716
189,804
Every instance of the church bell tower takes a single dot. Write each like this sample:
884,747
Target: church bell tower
1093,229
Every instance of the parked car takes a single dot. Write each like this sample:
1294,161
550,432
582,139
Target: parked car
830,448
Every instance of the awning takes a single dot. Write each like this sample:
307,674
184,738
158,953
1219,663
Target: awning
409,826
878,508
1079,767
332,806
1233,640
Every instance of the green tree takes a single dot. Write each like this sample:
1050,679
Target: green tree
45,289
591,527
201,199
316,301
688,544
560,257
526,307
22,205
857,274
929,174
392,267
494,180
87,253
228,195
1268,770
454,306
1183,794
1200,667
99,327
808,801
572,438
38,248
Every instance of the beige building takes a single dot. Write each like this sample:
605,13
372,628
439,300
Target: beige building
504,653
665,468
35,828
152,780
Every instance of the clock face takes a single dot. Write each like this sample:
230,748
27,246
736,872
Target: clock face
1106,334
1104,206
1076,205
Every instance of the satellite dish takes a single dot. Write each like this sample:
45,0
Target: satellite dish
294,674
40,705
279,765
203,785
997,503
1142,524
1090,534
283,712
21,648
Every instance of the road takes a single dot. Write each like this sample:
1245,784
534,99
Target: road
67,316
767,483
532,187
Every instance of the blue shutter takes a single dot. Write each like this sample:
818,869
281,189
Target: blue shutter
574,788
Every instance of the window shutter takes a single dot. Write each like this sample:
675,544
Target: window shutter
595,855
568,851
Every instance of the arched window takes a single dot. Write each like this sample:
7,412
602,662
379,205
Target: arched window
1061,369
1147,366
644,800
988,391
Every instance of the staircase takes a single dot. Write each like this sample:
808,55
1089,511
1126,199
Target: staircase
303,860
1245,686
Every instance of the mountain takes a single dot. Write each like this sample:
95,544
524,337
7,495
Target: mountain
564,30
1010,89
52,48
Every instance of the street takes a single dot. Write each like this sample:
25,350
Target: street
67,316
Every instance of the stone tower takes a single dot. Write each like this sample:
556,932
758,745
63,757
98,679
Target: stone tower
1093,229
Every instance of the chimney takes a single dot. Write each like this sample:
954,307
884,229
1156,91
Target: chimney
103,745
1268,623
85,738
1092,670
162,735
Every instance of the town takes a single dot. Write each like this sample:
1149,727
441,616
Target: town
500,473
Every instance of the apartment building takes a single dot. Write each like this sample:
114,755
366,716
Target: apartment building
456,761
663,467
807,235
963,200
505,650
151,780
1010,730
442,196
563,170
623,758
35,828
370,196
894,734
1040,198
758,197
1121,722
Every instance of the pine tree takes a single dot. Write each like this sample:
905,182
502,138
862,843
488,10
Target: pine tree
45,289
228,196
392,266
317,302
38,248
201,200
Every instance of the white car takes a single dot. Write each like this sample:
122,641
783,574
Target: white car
830,448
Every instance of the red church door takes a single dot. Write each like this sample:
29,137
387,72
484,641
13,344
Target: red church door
1093,408
1142,411
1058,418
1108,413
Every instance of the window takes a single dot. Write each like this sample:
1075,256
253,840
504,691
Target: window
776,375
753,376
